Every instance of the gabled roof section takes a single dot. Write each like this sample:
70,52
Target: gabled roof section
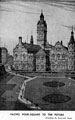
48,45
59,43
41,52
31,48
47,52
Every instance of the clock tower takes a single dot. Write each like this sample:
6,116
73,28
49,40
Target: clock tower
71,52
41,31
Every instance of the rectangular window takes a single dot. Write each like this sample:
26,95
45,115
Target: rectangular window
42,66
58,56
37,66
42,58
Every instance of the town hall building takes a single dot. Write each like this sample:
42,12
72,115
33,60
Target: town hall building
42,57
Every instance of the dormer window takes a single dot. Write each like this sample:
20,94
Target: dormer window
63,56
58,56
53,55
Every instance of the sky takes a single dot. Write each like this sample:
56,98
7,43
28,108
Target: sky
20,17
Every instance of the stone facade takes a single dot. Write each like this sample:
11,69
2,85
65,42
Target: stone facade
30,62
41,61
3,55
41,31
44,56
71,53
59,57
24,54
20,56
10,60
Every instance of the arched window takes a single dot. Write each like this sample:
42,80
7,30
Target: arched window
63,56
37,66
58,56
53,55
16,56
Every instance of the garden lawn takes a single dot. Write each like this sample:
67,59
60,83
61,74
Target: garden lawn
36,90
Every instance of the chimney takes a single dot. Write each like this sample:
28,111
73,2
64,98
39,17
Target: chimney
20,40
61,42
31,40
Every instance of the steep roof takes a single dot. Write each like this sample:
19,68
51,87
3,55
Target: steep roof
31,48
48,45
65,47
47,52
43,22
41,52
58,42
72,41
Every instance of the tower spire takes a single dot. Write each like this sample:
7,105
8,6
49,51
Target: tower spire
72,33
72,37
41,31
71,52
42,16
31,40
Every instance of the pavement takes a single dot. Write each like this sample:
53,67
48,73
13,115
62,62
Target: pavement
17,92
13,73
22,99
10,95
